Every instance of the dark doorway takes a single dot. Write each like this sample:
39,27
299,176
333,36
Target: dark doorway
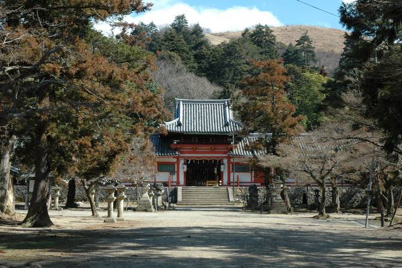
199,172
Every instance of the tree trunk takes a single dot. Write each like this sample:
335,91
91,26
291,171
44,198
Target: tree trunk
380,203
398,204
285,197
7,205
336,203
38,215
88,194
321,209
390,202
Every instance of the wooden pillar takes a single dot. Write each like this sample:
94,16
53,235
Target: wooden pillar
229,170
177,171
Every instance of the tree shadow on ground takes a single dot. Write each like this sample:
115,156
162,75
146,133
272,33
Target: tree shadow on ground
210,246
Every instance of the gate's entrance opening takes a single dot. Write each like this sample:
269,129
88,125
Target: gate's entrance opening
203,172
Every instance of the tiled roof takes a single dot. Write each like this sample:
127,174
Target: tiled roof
203,117
309,143
162,145
242,148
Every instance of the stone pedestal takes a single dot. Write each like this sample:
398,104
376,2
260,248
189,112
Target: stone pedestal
120,201
277,203
145,203
110,189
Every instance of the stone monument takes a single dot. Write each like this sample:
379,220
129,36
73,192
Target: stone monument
145,203
277,203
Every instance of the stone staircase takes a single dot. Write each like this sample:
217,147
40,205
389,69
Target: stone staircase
204,196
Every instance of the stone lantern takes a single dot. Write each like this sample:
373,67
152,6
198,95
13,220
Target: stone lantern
277,203
110,189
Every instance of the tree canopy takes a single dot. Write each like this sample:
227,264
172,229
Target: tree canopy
370,62
263,105
66,98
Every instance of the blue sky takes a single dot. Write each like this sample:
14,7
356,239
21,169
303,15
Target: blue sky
287,11
235,15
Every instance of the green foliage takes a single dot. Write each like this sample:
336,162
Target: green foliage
117,51
306,92
146,36
73,98
302,54
371,59
263,37
229,67
292,56
382,85
180,25
200,48
174,42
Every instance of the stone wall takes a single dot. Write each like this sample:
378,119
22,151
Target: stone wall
350,197
131,192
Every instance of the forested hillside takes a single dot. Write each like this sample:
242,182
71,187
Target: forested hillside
191,66
328,43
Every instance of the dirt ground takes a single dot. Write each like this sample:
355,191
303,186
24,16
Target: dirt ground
201,237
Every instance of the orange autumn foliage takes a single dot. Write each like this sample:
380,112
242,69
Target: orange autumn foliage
264,107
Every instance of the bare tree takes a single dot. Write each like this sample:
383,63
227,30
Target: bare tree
343,147
320,157
139,164
177,82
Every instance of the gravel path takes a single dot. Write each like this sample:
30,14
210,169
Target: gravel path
203,237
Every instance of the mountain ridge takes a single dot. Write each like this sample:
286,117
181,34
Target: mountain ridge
328,42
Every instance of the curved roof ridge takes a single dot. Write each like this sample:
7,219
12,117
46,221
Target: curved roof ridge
171,121
203,100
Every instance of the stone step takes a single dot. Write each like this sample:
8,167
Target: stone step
215,198
205,196
201,198
197,188
210,193
204,204
204,191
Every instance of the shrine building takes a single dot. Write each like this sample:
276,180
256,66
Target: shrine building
202,147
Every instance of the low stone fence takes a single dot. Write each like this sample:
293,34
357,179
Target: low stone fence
132,193
350,197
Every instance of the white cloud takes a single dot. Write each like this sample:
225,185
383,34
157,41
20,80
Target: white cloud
231,19
348,1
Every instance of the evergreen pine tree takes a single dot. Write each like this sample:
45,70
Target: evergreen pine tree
292,56
305,46
302,54
174,42
263,37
